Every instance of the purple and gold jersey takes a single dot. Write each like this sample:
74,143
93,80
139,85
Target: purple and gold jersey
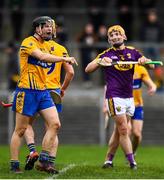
119,78
140,74
54,72
33,72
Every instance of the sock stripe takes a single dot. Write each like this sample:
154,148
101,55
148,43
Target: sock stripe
52,159
31,147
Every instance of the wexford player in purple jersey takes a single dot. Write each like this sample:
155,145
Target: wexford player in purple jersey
140,76
119,82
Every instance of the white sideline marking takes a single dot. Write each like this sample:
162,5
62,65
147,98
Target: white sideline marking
62,171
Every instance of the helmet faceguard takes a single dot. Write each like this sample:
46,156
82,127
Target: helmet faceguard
38,24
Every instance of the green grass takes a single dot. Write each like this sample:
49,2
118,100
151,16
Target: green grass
84,162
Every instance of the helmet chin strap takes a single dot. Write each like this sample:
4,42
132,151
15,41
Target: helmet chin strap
39,33
48,38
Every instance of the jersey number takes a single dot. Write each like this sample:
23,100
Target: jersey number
51,68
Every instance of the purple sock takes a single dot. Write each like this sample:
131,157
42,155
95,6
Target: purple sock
130,158
110,157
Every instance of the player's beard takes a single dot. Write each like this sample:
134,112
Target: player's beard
117,45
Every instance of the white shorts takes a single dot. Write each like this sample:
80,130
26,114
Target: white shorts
118,106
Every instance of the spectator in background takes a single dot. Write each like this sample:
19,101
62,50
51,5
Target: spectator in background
12,65
144,6
96,12
86,41
61,31
151,32
16,17
102,45
125,16
1,17
102,38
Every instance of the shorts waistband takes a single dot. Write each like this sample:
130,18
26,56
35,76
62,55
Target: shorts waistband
30,90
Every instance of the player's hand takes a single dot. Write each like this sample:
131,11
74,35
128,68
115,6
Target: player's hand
105,61
62,92
143,60
105,110
152,90
70,60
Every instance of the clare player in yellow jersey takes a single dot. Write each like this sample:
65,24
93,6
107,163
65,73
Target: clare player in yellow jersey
52,83
31,95
140,76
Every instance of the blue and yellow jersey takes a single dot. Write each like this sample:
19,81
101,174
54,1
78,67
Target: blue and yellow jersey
54,72
33,72
140,74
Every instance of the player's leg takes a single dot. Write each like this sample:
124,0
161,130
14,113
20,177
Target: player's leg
125,142
137,126
51,118
53,152
119,108
25,104
29,138
121,123
20,127
130,128
112,148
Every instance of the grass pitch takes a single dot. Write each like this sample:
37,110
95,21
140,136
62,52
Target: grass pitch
84,162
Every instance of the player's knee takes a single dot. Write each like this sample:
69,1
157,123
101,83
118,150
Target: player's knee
58,125
123,131
20,132
55,125
137,134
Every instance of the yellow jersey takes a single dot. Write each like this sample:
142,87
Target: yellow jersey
54,71
33,72
140,74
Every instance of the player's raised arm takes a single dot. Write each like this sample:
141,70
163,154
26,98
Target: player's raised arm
43,31
92,66
96,63
51,58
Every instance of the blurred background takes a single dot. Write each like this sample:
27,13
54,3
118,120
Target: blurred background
82,28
